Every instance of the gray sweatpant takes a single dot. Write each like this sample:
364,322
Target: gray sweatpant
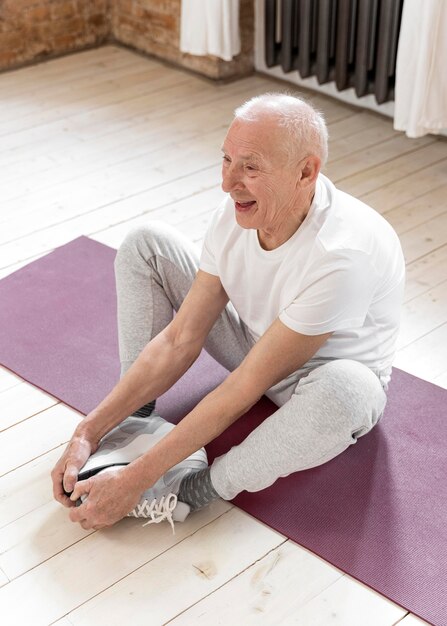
323,407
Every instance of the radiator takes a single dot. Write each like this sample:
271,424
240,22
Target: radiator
350,42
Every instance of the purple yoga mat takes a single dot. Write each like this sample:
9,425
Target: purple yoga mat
378,511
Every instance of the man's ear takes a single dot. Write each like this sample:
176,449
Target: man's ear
309,171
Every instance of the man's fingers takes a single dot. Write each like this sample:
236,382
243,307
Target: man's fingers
70,477
60,496
76,515
58,491
80,488
85,518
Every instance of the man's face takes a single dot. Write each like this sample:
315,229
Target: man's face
256,174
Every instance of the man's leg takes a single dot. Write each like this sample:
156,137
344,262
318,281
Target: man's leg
155,267
326,413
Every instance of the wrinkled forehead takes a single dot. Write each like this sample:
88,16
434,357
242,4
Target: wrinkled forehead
262,139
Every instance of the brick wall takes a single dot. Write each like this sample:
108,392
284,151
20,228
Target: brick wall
32,30
149,26
153,26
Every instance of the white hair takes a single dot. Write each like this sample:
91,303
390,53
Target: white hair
307,132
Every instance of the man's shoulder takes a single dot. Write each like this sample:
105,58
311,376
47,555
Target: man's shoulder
353,225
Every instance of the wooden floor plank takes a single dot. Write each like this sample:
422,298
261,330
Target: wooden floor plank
6,271
101,559
342,603
21,402
66,69
362,160
425,238
57,235
36,537
333,110
415,212
196,228
426,357
114,147
283,588
164,96
3,578
8,379
441,380
193,159
181,214
28,487
412,620
150,143
102,77
425,273
365,139
406,189
195,567
411,161
130,86
358,121
268,592
422,314
126,132
50,97
159,90
35,436
45,201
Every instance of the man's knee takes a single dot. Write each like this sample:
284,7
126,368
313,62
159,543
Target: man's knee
349,391
143,240
156,239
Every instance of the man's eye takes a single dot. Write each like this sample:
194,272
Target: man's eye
226,159
250,168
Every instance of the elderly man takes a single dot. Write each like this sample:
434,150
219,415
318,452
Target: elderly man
297,292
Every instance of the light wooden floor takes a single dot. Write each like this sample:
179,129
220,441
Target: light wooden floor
93,144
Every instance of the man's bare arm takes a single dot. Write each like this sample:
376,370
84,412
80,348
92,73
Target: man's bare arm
161,363
164,359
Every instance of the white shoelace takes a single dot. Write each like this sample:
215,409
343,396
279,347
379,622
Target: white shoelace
157,510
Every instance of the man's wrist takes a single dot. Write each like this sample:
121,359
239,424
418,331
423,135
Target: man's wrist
87,430
138,474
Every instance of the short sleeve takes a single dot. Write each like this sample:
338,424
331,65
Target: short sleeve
336,297
208,261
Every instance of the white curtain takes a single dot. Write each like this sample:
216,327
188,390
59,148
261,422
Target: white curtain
210,27
421,69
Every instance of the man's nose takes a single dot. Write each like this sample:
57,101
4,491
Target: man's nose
231,180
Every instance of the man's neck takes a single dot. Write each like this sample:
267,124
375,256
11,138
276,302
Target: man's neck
271,240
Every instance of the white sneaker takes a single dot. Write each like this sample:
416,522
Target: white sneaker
128,441
160,502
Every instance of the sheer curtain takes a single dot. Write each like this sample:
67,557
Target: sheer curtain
210,27
421,69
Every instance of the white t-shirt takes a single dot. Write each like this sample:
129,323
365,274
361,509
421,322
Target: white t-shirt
342,271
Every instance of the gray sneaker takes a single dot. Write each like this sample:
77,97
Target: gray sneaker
129,440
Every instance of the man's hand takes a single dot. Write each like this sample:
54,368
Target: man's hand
65,472
110,495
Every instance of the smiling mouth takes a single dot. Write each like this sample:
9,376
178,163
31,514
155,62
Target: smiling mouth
244,206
